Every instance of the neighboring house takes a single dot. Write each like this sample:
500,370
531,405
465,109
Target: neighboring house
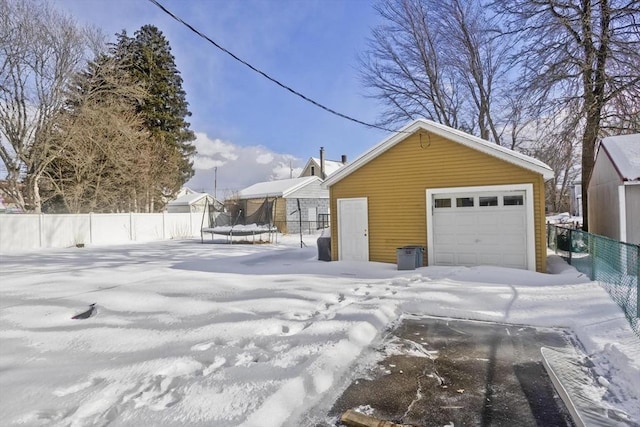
314,201
614,189
193,202
467,200
314,166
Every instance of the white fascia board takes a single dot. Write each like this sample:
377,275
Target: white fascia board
455,135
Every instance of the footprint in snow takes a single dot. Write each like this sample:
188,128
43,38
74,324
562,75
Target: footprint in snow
204,346
217,363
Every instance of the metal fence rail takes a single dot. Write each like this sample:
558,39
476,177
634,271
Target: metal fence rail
616,265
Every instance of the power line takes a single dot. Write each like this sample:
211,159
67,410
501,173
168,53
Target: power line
265,75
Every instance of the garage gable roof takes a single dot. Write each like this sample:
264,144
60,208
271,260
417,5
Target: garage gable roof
495,150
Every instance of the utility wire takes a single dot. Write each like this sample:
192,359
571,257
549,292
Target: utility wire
265,75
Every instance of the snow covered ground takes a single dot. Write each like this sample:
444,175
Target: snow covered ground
253,335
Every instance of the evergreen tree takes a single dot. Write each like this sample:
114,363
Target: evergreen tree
163,112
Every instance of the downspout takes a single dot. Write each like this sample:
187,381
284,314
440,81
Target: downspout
622,207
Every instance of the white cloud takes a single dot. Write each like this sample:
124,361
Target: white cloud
237,166
284,170
264,158
208,147
200,162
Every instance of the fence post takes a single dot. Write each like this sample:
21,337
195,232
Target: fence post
638,281
570,244
40,230
164,224
592,254
131,226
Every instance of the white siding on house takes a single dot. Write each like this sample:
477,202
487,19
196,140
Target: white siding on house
313,190
604,204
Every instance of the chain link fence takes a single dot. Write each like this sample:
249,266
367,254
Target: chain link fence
616,265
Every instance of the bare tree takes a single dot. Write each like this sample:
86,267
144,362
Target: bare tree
98,139
443,61
40,50
579,56
556,143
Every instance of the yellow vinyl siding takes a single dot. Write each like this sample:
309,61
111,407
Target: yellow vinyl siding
394,184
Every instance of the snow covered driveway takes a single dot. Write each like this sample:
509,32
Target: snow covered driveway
253,335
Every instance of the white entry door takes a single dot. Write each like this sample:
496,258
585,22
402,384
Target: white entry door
481,228
353,230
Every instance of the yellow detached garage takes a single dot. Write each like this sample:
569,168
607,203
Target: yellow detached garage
466,200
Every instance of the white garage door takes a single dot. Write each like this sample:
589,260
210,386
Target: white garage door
480,228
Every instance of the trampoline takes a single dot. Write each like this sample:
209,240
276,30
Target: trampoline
236,224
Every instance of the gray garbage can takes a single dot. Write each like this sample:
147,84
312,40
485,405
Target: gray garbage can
419,252
406,258
324,248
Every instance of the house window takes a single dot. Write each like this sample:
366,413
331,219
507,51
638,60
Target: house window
442,203
313,171
464,202
513,200
488,201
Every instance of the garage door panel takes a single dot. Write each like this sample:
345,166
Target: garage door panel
513,240
489,259
445,258
489,239
516,219
488,219
467,258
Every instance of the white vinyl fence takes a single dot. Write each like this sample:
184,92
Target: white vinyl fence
22,232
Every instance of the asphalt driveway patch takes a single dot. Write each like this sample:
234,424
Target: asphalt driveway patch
446,372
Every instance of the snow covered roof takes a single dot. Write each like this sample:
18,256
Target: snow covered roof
330,166
455,135
624,152
279,188
188,199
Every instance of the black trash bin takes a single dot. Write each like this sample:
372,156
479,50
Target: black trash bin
406,258
324,248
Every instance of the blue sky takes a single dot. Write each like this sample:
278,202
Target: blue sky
251,129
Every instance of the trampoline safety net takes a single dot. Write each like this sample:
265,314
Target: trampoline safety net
235,221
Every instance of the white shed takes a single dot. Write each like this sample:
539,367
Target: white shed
614,189
193,202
